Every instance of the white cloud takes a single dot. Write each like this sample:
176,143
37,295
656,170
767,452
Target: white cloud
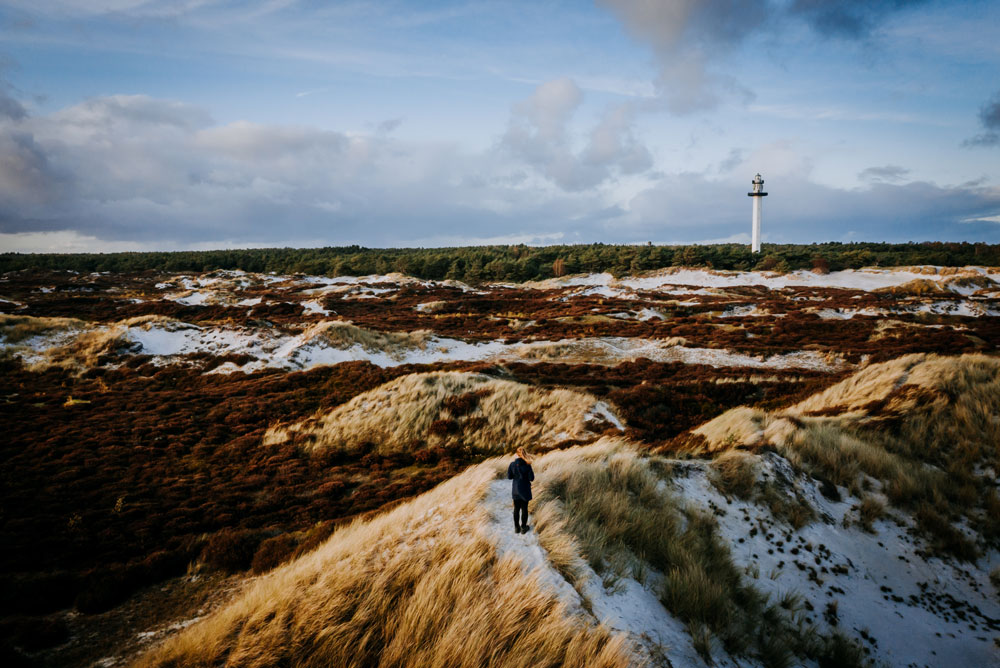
539,134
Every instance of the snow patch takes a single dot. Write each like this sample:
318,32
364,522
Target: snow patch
314,307
877,583
866,279
601,412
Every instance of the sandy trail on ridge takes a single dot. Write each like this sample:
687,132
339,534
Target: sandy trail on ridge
632,610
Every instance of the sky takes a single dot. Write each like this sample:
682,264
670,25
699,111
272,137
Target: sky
202,124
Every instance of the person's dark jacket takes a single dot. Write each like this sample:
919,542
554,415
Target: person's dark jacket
520,472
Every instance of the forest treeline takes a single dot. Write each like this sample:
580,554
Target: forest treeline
475,264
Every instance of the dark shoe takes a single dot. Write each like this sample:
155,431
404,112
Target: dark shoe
517,529
525,529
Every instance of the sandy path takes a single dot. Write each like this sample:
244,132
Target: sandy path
631,610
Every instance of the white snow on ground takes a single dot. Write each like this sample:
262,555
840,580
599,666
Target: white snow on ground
630,610
601,412
965,308
585,280
180,338
968,308
650,314
196,298
872,569
10,301
907,610
355,291
604,291
856,279
847,314
742,312
250,302
643,315
613,350
314,306
271,348
395,279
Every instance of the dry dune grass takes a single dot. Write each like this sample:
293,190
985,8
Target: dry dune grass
924,426
469,410
17,328
918,287
737,426
82,344
878,381
892,328
341,334
419,586
586,351
84,350
431,307
932,270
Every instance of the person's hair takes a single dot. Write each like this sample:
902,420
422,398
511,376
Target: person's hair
522,454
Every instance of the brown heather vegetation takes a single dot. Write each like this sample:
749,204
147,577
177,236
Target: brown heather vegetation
659,401
130,482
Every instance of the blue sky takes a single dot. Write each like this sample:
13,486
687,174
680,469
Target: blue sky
141,125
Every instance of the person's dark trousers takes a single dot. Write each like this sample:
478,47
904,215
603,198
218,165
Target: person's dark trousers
520,506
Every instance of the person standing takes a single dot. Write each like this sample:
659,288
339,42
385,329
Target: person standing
521,474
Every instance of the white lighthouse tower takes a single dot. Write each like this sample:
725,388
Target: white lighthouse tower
758,192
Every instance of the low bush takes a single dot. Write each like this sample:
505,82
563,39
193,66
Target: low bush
34,634
37,593
735,473
106,588
272,552
230,550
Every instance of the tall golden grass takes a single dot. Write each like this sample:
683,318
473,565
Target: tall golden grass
419,586
343,334
394,416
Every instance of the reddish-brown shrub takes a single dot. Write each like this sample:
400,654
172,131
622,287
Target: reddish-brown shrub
443,427
424,457
32,634
105,589
230,551
461,404
272,552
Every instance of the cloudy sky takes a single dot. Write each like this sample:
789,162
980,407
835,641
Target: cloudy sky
172,124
